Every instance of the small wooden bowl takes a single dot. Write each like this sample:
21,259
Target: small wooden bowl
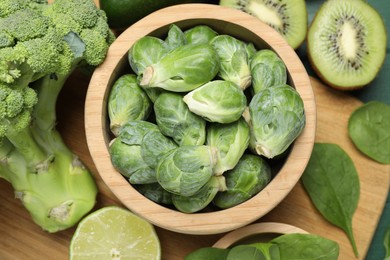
225,21
259,232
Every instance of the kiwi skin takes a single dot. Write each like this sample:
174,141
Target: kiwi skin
293,28
379,59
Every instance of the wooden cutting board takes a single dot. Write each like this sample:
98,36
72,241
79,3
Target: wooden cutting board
20,238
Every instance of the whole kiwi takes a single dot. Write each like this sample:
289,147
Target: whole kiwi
347,43
288,17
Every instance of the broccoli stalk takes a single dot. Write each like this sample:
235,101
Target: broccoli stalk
45,44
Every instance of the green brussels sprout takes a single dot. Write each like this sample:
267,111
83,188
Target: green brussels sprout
154,146
145,52
200,34
217,101
154,93
250,50
249,177
127,101
267,70
234,60
231,141
137,149
184,170
175,120
202,198
175,38
155,192
183,69
128,161
276,118
133,132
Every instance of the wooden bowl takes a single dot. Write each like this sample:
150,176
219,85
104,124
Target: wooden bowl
225,21
254,233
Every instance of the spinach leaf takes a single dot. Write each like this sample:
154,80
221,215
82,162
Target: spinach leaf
333,186
246,252
387,243
368,128
306,247
210,253
270,251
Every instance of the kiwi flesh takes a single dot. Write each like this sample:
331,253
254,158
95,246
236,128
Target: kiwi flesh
288,17
346,43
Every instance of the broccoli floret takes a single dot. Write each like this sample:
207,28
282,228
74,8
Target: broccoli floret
8,7
25,24
41,45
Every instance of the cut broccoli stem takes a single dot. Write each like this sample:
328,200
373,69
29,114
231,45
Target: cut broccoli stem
66,188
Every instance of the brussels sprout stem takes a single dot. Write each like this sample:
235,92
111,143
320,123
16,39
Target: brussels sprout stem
147,76
262,150
246,115
221,183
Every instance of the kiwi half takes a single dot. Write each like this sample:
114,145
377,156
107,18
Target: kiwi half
347,43
288,17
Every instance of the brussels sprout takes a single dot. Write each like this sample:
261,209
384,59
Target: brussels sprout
155,192
133,132
175,38
145,52
250,50
266,56
128,161
139,145
183,69
267,70
276,118
127,101
154,145
184,170
234,61
175,120
231,141
200,34
202,198
217,101
250,176
154,93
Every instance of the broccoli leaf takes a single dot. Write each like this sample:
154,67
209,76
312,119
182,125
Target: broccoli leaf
76,44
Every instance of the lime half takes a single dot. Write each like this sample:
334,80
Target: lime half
114,233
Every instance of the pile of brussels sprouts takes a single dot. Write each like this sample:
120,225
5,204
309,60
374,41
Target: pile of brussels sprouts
199,117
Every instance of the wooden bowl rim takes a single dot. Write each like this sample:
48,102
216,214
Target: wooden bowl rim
211,222
256,229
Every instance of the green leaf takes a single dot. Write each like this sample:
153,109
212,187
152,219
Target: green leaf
209,253
368,127
332,184
387,243
76,44
306,246
247,252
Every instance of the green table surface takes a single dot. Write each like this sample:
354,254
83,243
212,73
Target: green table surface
378,90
